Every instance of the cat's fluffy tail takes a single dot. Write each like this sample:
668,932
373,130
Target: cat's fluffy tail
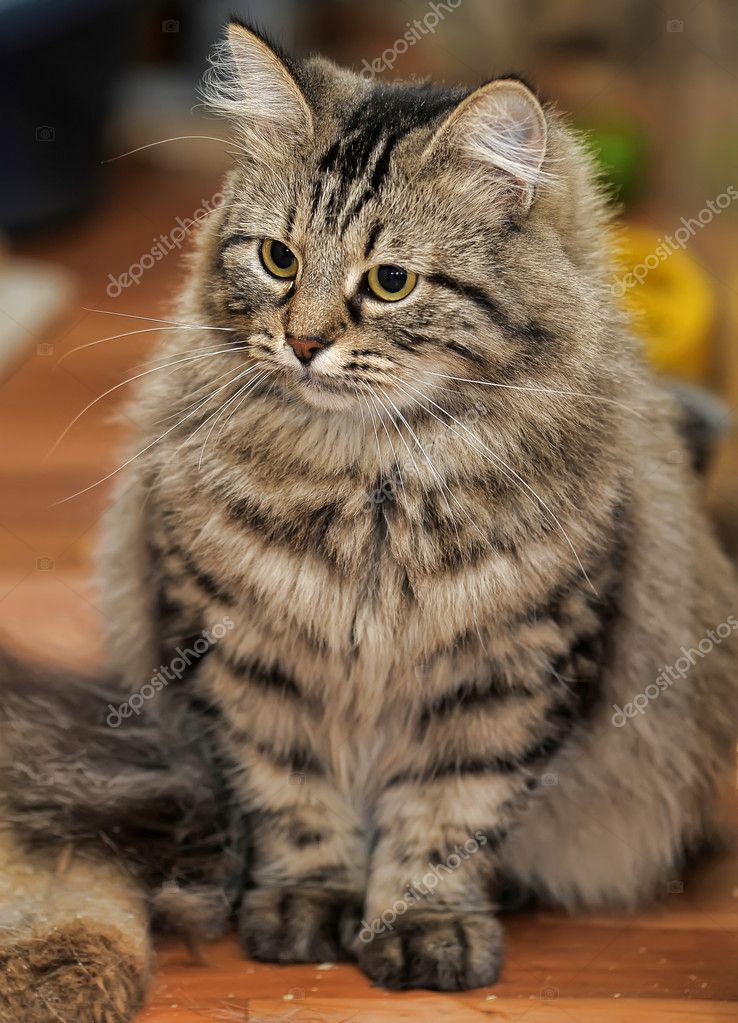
148,793
99,828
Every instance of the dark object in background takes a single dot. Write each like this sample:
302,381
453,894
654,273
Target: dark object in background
58,65
703,421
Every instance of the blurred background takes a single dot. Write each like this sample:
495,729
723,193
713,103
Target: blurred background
85,228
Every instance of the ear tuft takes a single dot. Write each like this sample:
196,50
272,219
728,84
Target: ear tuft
501,126
249,82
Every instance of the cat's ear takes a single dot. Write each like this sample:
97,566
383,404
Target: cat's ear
251,83
500,126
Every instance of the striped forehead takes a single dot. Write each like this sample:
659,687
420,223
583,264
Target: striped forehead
353,169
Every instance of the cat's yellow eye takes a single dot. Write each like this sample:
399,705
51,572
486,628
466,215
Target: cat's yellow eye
278,259
391,283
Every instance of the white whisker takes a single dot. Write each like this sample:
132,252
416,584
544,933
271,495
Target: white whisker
175,138
400,475
148,447
378,403
230,346
197,393
265,376
509,469
216,209
441,482
112,337
245,387
373,398
355,389
252,368
155,319
116,387
376,434
543,390
464,512
390,442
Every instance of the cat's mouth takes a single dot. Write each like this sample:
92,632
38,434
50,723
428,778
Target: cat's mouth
321,381
320,389
313,376
309,378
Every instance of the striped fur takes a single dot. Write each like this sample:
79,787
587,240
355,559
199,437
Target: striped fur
441,572
440,587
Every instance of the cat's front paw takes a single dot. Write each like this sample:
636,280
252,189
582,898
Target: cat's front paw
435,950
295,925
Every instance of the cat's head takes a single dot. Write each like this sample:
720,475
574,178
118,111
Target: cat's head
378,239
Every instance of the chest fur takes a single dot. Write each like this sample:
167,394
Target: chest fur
354,589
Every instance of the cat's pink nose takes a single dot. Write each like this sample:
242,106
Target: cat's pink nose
305,348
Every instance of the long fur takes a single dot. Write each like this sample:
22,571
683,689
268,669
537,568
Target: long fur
148,797
447,554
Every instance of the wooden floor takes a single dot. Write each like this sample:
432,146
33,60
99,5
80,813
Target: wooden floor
677,961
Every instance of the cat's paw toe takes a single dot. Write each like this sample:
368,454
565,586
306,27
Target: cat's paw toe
438,951
294,925
68,975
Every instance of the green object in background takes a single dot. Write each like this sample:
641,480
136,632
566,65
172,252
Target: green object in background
620,149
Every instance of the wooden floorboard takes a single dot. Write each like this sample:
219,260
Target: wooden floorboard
678,961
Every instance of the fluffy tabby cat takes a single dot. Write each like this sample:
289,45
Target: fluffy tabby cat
409,449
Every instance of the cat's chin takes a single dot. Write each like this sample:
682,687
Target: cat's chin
328,397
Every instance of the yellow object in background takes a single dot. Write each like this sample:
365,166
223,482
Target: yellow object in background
671,299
